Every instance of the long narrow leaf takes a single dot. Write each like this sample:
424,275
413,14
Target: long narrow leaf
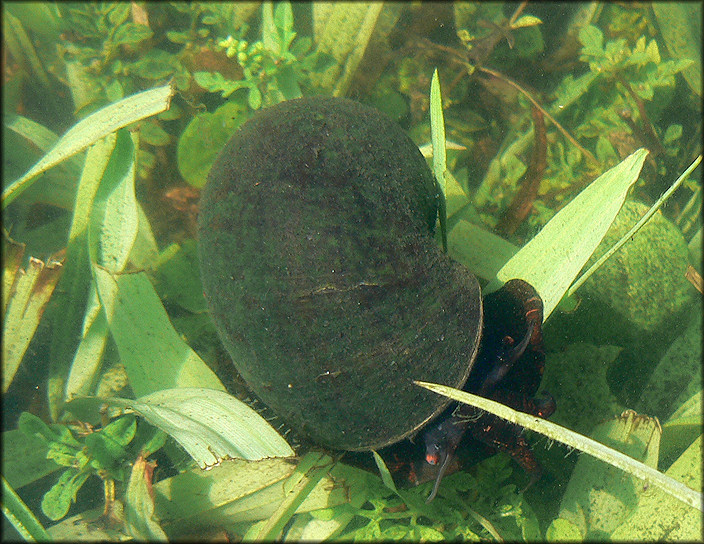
74,287
21,517
642,221
154,355
62,192
30,294
114,217
239,490
437,131
87,360
437,137
575,440
93,128
210,425
300,484
551,261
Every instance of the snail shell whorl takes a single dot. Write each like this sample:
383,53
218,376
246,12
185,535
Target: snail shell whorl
323,278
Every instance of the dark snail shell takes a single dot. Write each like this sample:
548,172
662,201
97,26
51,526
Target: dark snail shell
323,277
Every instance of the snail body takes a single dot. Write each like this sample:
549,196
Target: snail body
323,278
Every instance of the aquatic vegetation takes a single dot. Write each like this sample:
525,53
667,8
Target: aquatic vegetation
114,113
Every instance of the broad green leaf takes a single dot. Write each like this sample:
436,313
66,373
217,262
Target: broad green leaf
21,517
154,355
674,236
121,430
567,241
483,252
570,90
139,504
29,294
239,491
659,517
93,128
34,427
106,453
384,471
211,425
24,458
299,485
202,140
66,456
604,495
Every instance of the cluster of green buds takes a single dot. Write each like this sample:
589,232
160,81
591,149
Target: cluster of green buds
246,53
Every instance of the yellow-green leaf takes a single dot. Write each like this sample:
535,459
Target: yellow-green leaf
211,425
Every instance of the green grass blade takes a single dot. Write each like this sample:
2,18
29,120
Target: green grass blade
575,440
21,517
437,137
74,288
384,472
